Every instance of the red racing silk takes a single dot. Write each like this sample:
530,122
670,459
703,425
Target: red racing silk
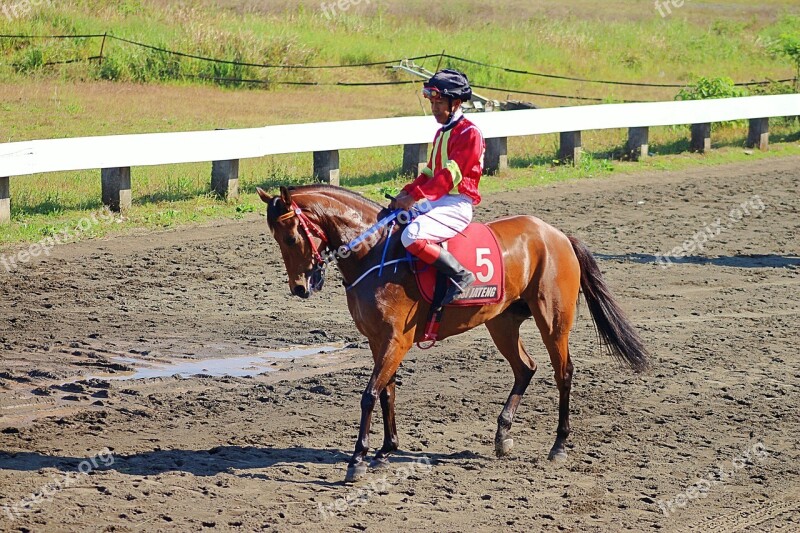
455,164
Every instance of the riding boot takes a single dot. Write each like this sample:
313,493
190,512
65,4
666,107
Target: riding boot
460,278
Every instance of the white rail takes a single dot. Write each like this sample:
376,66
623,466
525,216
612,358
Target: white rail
120,152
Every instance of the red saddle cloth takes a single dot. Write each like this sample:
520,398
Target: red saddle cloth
479,252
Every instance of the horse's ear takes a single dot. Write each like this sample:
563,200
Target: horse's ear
264,196
285,196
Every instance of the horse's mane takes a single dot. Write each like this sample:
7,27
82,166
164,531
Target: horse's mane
276,209
323,188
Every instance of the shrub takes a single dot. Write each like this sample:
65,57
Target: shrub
705,88
29,60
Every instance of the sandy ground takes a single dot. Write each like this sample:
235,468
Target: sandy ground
705,441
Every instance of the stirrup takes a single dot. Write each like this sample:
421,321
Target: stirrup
457,289
431,331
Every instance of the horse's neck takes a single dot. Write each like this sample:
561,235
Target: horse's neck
342,224
345,224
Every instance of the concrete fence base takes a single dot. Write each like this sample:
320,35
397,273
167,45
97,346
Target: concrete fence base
326,167
225,178
701,138
5,200
496,157
116,186
758,135
570,148
415,157
637,146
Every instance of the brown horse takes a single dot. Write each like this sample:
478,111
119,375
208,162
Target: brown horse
544,272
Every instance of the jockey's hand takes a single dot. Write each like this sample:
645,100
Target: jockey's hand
403,201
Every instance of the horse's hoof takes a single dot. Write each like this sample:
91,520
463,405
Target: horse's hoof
379,463
503,448
557,456
355,472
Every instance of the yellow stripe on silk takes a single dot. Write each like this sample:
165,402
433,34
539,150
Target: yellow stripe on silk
455,171
452,166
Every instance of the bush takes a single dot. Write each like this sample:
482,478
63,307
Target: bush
109,69
29,60
772,87
706,88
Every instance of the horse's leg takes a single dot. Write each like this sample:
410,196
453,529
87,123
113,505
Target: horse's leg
554,312
504,330
552,298
563,369
387,359
390,440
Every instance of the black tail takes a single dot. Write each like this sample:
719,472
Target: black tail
613,327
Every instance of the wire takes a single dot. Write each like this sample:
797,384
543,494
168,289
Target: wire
378,83
92,35
260,65
68,61
566,97
585,80
301,83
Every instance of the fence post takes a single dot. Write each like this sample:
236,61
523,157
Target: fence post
496,157
758,135
116,187
570,148
701,137
5,200
415,157
637,146
326,166
225,178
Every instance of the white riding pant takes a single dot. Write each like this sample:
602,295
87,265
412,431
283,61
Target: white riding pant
446,217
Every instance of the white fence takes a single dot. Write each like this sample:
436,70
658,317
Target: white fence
116,154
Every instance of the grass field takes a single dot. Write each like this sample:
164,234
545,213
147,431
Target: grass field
618,40
621,40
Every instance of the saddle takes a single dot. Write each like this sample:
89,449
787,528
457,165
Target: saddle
477,249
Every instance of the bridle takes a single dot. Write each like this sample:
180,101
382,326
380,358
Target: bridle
319,263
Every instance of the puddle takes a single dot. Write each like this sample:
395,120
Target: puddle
248,365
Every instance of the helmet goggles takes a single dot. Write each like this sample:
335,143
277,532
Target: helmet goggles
431,93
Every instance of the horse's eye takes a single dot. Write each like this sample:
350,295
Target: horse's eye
290,240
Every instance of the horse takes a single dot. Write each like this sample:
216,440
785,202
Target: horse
544,272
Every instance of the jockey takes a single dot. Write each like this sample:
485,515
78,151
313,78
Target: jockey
449,182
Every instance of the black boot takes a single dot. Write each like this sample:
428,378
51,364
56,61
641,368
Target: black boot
459,277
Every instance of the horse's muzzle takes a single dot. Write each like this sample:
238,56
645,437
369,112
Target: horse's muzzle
301,291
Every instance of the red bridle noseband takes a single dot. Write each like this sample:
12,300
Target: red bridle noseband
309,228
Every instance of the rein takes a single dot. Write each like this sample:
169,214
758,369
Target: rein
321,262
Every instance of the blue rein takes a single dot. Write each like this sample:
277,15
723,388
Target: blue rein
382,223
389,221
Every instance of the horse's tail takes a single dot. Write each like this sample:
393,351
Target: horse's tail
614,329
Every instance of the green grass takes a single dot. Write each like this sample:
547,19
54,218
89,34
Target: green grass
584,41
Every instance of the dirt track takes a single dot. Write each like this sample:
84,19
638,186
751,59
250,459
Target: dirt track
269,452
